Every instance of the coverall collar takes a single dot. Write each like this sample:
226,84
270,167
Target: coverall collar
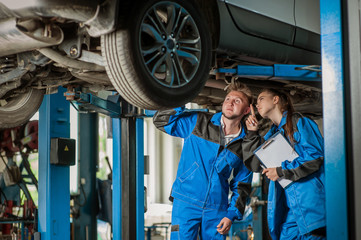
216,120
283,121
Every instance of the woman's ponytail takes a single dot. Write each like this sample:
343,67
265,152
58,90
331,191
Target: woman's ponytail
289,123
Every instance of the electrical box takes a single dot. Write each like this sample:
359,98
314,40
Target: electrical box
62,151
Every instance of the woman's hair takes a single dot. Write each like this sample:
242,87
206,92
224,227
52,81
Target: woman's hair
285,103
240,87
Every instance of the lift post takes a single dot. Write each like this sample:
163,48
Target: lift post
334,118
128,162
54,182
128,175
352,59
85,225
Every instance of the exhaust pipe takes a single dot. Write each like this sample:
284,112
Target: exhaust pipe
25,35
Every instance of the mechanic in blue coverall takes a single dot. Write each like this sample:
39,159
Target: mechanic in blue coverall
297,211
212,150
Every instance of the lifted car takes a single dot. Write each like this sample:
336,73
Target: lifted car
157,54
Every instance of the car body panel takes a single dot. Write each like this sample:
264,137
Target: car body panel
307,15
273,20
281,10
241,43
262,26
290,22
307,40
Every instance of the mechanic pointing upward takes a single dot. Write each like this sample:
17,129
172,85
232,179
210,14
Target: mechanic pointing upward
212,149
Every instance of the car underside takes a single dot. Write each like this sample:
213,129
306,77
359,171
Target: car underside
96,46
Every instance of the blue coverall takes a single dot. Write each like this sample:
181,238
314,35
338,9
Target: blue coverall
201,188
298,210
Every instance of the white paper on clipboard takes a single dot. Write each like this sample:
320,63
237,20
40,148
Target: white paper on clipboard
273,152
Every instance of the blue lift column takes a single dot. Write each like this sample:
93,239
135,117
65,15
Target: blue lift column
128,163
341,29
334,118
128,175
54,191
85,225
139,187
352,59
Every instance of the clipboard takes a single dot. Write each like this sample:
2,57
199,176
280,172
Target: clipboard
273,152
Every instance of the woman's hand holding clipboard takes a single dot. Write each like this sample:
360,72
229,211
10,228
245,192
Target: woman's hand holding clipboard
272,153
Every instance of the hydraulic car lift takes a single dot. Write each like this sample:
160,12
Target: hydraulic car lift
54,181
277,71
341,116
340,41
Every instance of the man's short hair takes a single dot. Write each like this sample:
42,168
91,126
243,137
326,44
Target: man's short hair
240,87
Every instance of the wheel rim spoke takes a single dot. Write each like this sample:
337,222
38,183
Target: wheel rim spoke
170,44
183,74
189,41
178,17
171,71
158,20
190,49
153,23
171,19
182,25
176,71
157,64
192,59
151,49
152,58
151,31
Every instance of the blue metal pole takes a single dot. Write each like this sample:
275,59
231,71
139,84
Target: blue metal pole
117,183
334,119
54,191
85,226
140,177
258,220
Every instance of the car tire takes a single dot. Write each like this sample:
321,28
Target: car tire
17,110
154,65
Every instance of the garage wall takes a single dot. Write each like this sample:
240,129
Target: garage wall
164,153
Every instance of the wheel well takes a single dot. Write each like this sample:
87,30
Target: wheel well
210,11
125,9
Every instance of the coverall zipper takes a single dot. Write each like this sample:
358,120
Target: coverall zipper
220,149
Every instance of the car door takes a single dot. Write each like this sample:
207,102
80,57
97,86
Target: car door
270,19
307,17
